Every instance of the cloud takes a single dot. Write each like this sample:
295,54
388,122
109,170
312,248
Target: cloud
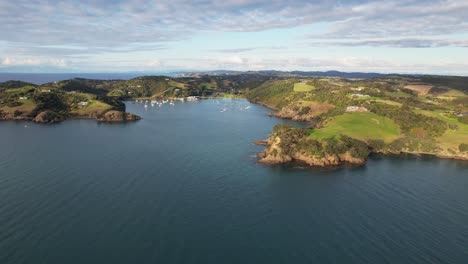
399,19
232,60
59,32
108,23
238,50
154,63
33,61
241,50
394,43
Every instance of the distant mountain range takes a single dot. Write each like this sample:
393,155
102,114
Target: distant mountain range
353,75
41,78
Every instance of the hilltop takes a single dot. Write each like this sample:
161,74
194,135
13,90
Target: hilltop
94,99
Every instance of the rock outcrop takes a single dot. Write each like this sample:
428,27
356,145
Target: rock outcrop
118,116
48,117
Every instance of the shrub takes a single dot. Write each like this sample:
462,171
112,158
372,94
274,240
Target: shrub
453,126
376,144
463,147
50,101
463,119
304,110
17,113
14,104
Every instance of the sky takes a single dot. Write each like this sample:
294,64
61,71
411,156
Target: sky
391,36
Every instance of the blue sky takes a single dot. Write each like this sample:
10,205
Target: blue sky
403,36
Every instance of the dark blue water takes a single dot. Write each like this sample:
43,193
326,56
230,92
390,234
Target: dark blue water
183,186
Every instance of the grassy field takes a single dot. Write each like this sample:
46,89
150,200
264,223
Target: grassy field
92,109
303,87
397,94
451,139
361,126
387,102
452,93
177,84
27,106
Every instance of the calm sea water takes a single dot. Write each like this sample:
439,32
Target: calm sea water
183,186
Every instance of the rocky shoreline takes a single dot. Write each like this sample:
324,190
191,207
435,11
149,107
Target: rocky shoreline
274,154
50,117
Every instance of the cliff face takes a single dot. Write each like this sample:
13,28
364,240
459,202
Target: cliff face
118,116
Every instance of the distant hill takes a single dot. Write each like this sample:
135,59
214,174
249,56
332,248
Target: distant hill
350,75
14,84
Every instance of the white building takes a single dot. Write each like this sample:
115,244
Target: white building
360,95
356,109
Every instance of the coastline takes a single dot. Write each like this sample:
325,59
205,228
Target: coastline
332,160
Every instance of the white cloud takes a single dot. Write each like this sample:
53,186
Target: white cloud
55,33
395,43
232,60
154,63
33,61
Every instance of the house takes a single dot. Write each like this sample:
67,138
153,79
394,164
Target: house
45,90
357,89
23,98
356,109
83,103
360,95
